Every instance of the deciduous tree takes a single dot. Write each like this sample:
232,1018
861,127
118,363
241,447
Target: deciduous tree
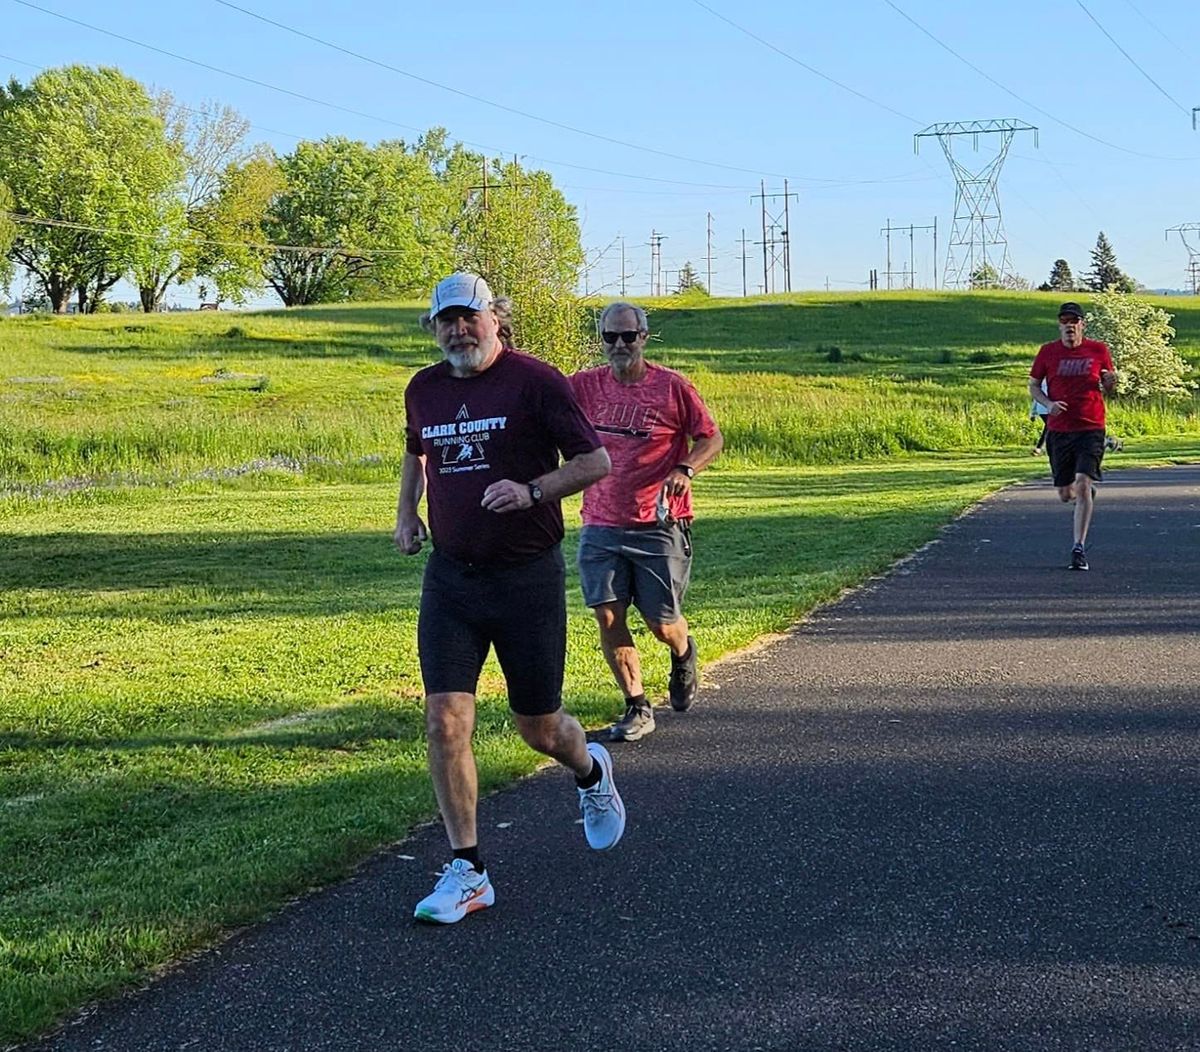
523,236
210,138
8,234
91,170
229,227
365,217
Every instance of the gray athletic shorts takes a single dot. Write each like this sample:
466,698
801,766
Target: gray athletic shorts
649,566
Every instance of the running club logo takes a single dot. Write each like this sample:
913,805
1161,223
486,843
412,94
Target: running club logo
464,442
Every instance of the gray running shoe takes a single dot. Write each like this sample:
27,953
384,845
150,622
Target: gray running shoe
601,805
637,722
460,890
684,680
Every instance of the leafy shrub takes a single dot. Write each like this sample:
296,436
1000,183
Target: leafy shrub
1139,336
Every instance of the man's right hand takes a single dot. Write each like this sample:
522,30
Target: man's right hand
1057,407
410,534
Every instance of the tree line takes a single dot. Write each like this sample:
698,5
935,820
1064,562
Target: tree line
1105,273
101,180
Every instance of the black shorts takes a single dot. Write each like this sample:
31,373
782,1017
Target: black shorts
520,610
1075,453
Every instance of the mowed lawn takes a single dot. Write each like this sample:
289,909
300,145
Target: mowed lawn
209,696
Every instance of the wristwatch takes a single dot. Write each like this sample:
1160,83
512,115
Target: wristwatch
535,493
687,469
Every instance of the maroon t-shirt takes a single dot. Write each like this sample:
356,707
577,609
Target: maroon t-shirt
510,421
1072,375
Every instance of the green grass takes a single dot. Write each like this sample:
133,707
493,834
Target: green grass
210,693
128,399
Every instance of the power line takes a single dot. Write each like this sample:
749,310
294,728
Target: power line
201,113
344,109
803,65
495,150
1169,39
1131,59
267,246
488,102
711,188
992,80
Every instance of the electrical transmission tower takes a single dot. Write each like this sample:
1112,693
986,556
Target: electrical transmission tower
1193,251
977,242
776,239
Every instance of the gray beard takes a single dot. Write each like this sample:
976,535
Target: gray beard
466,361
623,367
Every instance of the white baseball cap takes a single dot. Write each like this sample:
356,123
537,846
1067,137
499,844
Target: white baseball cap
460,290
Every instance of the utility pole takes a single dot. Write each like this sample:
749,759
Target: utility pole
743,242
1195,110
710,253
888,258
910,278
656,240
935,256
978,224
763,194
485,186
776,250
787,238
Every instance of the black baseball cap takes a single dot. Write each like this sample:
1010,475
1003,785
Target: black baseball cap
1072,309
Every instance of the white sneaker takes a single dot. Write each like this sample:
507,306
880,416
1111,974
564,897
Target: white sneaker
460,890
603,811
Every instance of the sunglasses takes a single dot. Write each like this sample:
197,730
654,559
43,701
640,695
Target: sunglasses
629,336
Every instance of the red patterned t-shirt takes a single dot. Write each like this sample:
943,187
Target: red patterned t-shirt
646,428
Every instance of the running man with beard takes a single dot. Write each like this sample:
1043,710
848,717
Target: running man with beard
1078,373
485,429
636,543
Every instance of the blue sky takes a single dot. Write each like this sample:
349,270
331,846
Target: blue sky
688,78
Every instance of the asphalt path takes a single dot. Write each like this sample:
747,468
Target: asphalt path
956,809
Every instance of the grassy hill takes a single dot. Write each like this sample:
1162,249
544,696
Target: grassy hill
210,693
806,379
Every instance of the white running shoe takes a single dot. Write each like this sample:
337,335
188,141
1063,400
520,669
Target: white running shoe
460,890
603,811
